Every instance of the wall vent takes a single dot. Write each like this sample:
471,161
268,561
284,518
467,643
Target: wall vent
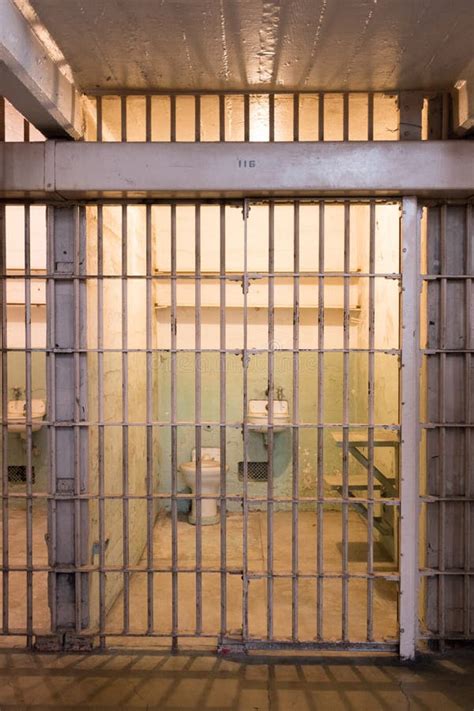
257,471
17,474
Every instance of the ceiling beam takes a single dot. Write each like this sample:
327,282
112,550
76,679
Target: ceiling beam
60,169
32,81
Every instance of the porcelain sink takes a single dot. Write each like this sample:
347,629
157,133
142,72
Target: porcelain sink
257,415
17,415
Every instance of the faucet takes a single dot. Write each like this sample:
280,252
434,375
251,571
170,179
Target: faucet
279,392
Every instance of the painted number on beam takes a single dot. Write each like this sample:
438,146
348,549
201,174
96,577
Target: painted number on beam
247,163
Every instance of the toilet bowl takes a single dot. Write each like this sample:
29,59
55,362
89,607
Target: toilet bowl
210,484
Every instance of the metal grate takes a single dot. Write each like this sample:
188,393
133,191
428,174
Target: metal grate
17,474
257,471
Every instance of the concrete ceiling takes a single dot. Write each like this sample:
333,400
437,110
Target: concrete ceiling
242,44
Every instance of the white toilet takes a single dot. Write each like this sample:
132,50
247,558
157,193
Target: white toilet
210,483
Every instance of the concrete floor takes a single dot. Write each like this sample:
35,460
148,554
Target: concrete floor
385,593
177,683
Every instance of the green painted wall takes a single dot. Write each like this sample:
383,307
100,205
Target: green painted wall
257,383
17,446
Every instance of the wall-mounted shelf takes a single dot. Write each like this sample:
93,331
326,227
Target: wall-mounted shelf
257,296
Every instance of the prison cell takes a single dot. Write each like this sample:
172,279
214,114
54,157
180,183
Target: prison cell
151,330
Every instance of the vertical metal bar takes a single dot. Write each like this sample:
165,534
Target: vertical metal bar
100,412
222,118
245,364
345,428
271,117
172,118
100,399
123,119
4,376
29,430
197,118
51,413
345,116
77,417
409,463
246,118
296,117
125,482
223,418
371,412
295,428
320,116
468,258
197,413
370,116
320,434
148,135
150,512
174,440
442,433
270,434
98,107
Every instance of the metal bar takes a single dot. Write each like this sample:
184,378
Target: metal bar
246,118
409,462
320,434
371,413
4,377
125,462
29,437
174,439
271,118
233,570
270,433
223,417
51,413
295,430
245,363
370,116
222,118
345,428
149,416
296,117
101,427
197,415
123,119
468,490
78,220
173,119
197,118
345,116
99,123
148,125
320,116
442,432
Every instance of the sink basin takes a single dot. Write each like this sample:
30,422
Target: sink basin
17,415
257,415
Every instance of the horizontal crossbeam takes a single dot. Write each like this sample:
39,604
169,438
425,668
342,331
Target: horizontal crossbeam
31,80
66,170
